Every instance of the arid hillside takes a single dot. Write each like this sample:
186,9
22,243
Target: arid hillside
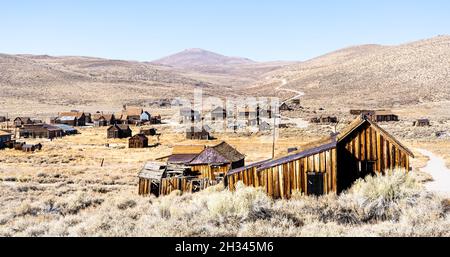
371,75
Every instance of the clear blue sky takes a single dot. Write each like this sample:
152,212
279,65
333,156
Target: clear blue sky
258,29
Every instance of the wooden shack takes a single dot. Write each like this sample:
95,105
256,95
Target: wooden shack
330,165
129,115
324,120
215,162
3,119
195,133
383,116
219,113
119,131
20,121
285,107
28,148
422,123
150,178
67,130
103,120
189,115
72,118
5,138
40,131
138,141
158,178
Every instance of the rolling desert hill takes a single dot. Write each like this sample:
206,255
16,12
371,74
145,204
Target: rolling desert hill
371,76
367,76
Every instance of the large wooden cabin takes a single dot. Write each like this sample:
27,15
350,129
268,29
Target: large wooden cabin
331,165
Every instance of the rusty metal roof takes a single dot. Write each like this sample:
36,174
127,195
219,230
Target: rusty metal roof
253,165
297,156
181,158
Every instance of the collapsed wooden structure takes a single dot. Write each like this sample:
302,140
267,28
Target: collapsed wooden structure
329,165
190,168
157,178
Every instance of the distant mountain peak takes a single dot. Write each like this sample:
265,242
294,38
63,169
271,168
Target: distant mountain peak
197,57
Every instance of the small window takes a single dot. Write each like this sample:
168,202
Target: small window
315,184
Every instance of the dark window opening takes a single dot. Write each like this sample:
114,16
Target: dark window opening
315,184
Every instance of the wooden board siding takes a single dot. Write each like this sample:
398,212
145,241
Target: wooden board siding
168,185
283,180
211,172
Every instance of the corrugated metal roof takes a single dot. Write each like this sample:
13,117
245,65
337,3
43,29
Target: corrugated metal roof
65,127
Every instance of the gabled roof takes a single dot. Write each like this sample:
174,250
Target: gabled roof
71,114
362,120
120,127
140,136
133,111
219,154
99,116
22,118
229,152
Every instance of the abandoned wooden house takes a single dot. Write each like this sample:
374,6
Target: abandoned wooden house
20,121
103,120
119,131
329,165
66,129
40,131
383,116
219,113
362,112
158,178
285,107
129,115
215,161
5,138
189,115
195,133
138,141
155,120
3,119
324,120
72,118
422,123
148,131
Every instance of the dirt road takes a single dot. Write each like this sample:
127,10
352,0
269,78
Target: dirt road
440,173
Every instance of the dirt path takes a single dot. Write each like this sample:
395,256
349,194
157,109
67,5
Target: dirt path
440,173
298,93
299,122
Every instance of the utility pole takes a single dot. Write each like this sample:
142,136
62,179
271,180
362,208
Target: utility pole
274,129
